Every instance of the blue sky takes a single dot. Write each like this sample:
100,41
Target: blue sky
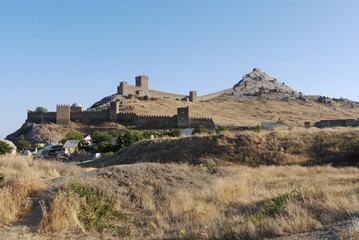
78,51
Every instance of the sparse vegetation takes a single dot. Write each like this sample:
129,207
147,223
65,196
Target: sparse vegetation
242,202
200,129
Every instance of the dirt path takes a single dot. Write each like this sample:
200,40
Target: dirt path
26,227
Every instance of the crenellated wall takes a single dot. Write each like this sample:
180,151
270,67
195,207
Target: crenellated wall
91,116
207,122
64,115
39,117
126,117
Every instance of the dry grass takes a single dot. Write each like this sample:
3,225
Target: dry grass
24,179
337,146
250,112
194,202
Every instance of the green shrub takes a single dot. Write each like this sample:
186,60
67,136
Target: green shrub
5,148
128,138
147,134
173,133
307,124
222,129
275,206
200,129
108,154
258,128
97,211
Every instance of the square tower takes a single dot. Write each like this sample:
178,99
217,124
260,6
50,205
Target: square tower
193,96
142,82
122,89
114,110
63,114
182,117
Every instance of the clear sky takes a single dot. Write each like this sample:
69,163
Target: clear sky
61,52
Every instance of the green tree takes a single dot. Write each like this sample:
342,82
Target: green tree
5,148
23,145
73,136
41,109
99,137
128,138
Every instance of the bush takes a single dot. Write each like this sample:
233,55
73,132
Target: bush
173,133
307,124
222,129
73,136
200,129
147,134
23,145
258,128
128,138
5,148
98,212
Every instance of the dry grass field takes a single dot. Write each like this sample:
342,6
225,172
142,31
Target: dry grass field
236,185
247,113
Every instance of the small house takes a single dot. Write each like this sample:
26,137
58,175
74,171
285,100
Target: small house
70,146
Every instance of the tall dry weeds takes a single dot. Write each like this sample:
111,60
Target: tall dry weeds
182,201
23,178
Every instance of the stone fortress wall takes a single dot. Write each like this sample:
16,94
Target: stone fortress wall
65,114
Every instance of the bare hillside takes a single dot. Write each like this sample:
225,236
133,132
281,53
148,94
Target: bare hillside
285,147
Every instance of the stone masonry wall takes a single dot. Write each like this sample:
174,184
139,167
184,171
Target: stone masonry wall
39,117
91,116
156,122
207,122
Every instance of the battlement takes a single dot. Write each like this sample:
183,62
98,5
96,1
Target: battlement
200,118
154,116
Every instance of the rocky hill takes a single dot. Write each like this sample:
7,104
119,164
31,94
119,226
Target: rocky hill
258,82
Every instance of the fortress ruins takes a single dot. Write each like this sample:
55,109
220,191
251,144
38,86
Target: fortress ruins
65,113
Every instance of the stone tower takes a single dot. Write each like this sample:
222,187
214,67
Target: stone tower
182,117
193,96
63,114
122,89
114,110
142,82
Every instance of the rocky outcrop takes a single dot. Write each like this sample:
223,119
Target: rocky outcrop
258,82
